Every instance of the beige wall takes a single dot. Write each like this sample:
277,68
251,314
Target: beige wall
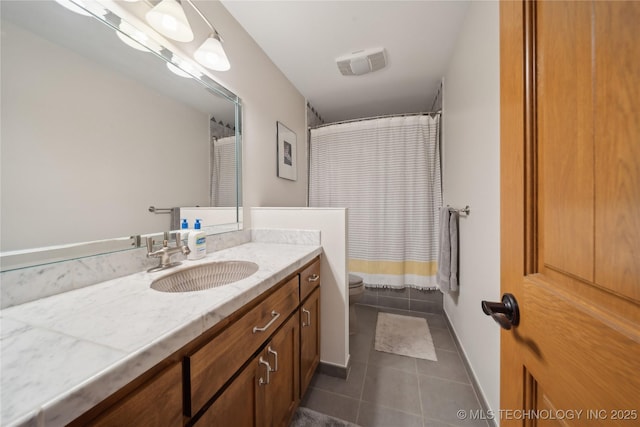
86,150
471,172
267,97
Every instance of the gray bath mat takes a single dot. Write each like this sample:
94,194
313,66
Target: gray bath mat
404,335
305,417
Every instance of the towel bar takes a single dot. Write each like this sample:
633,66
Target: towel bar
159,210
466,210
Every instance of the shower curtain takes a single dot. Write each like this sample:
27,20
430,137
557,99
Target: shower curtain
223,172
387,172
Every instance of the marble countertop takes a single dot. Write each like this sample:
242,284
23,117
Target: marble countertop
63,354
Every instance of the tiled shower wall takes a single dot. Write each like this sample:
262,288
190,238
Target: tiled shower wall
404,299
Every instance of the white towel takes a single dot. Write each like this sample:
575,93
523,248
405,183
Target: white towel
448,254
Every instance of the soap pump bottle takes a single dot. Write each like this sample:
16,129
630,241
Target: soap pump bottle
184,225
197,242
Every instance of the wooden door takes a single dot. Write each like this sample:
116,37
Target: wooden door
570,212
309,339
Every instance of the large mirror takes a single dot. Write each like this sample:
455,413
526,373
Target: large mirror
101,143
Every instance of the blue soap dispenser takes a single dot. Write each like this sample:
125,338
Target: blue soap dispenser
197,242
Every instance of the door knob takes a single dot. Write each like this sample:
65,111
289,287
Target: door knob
506,313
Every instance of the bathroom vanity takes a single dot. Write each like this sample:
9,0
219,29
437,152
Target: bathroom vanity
240,354
244,371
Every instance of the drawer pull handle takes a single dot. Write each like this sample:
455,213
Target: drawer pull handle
265,363
275,315
308,313
275,354
313,278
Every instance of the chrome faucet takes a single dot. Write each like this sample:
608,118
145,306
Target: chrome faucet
165,252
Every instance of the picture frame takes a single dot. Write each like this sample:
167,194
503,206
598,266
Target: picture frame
287,149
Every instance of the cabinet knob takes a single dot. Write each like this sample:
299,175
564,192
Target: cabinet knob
313,278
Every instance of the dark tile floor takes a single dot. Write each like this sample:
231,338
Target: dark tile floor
389,390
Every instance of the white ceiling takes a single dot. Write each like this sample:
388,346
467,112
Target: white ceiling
303,38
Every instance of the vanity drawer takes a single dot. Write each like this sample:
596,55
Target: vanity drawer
212,365
309,279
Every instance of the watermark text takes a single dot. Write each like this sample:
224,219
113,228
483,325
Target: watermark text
550,414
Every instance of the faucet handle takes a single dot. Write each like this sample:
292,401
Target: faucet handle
165,240
149,244
178,239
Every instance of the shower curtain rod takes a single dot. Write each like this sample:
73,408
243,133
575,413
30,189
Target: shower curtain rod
423,113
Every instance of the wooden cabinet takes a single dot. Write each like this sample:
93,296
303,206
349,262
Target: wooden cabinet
309,338
211,366
238,405
283,336
157,402
309,279
282,394
244,371
266,392
309,323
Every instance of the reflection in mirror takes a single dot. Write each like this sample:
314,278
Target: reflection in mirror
95,132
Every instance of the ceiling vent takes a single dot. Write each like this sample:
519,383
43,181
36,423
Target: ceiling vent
362,62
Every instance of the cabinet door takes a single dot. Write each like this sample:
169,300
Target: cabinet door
240,404
309,339
216,362
157,403
283,391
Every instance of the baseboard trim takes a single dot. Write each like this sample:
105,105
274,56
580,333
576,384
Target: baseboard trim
472,376
333,370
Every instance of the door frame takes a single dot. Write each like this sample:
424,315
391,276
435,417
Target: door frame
518,180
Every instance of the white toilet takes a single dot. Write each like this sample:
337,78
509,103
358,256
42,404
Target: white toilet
356,290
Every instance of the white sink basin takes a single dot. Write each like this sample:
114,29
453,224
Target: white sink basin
205,276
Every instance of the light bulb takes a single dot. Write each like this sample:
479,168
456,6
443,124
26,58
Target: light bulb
169,23
211,54
182,68
168,18
133,37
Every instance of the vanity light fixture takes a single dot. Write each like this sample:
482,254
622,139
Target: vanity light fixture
168,18
211,54
182,67
136,39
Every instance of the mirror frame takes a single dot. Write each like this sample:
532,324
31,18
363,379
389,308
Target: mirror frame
18,259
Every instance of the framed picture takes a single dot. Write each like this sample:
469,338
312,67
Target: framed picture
287,167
